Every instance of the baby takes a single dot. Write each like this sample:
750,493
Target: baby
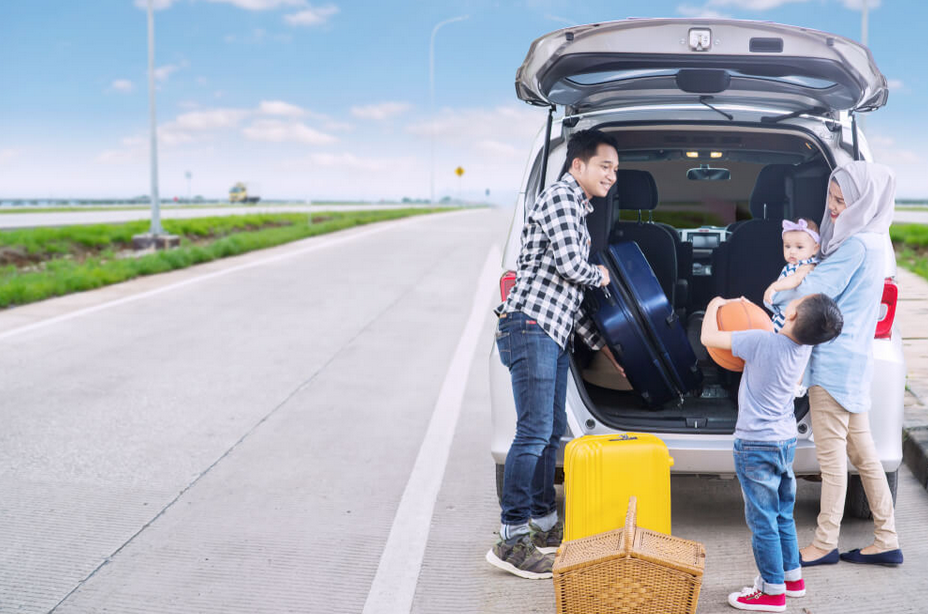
800,250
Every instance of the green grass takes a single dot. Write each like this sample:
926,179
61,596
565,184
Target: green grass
911,244
238,234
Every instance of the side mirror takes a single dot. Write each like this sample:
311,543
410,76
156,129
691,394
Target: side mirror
704,173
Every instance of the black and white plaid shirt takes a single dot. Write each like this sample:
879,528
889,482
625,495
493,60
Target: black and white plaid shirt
552,269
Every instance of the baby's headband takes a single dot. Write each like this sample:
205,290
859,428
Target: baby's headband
800,226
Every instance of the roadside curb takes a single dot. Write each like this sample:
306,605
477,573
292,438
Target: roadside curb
915,452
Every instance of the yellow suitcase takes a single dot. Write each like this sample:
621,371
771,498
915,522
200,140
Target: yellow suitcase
602,471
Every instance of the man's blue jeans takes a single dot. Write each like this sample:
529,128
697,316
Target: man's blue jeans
538,367
765,470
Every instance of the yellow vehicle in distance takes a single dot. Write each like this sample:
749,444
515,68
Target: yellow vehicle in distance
239,194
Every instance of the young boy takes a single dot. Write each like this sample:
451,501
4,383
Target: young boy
765,438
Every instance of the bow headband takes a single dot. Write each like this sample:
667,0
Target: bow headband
800,226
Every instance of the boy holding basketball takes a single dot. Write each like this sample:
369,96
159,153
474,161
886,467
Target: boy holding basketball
765,437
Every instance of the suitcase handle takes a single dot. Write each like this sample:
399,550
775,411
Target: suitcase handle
624,438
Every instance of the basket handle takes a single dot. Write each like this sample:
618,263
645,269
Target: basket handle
631,517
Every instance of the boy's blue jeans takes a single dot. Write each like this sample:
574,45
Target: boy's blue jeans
538,368
765,470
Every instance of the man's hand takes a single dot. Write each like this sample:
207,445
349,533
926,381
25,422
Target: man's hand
615,363
605,273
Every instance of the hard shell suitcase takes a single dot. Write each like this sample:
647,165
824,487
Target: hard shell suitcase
641,328
602,471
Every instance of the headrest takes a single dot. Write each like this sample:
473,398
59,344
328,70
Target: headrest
770,190
635,190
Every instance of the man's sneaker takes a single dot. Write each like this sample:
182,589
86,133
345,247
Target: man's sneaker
520,557
753,599
796,589
547,541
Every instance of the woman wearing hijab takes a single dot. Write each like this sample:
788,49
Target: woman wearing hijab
861,197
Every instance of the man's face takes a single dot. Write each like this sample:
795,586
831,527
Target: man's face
596,175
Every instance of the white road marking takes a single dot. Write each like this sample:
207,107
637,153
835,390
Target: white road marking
394,586
321,244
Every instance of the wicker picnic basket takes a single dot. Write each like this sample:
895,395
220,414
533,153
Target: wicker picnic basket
630,570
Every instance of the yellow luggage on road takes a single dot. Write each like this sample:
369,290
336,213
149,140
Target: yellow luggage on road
602,471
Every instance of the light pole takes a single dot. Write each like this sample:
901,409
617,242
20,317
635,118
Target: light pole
156,228
432,100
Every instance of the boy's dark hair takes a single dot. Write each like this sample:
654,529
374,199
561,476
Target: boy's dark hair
818,320
584,144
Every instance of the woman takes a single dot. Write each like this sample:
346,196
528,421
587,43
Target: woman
861,197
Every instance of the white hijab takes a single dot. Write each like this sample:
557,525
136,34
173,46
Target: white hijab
870,194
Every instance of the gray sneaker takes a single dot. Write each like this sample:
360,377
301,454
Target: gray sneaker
520,557
547,541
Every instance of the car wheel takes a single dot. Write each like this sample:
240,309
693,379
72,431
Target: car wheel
856,504
500,471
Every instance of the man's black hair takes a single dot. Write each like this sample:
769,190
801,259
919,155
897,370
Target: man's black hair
584,144
818,320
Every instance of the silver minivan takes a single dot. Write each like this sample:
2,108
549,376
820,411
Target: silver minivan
725,128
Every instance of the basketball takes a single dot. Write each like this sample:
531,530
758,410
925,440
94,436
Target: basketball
738,315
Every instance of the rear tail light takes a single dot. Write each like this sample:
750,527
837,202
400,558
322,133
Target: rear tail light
884,326
506,282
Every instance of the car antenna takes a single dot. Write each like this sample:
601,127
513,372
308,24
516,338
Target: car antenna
703,100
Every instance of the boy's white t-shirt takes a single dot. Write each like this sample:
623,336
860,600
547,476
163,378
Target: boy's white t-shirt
773,365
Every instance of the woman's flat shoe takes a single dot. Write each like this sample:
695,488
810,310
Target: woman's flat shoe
829,559
890,557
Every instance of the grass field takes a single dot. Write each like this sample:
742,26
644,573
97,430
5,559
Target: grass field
36,264
911,244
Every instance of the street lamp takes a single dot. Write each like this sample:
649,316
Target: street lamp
432,100
156,228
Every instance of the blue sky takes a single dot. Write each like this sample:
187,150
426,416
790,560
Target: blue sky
330,100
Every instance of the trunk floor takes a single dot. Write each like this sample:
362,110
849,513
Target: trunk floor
625,409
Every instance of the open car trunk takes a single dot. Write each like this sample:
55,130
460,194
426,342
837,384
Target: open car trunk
727,243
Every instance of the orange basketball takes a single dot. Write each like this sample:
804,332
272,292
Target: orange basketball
738,315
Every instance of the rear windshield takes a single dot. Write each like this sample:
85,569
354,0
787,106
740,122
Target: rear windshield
716,179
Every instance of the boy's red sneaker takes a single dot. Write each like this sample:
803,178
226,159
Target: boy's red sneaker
796,589
757,601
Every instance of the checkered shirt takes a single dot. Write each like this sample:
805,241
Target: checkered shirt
552,269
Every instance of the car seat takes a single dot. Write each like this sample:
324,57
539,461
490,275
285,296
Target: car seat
660,244
752,258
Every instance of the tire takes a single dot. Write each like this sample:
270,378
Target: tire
856,504
500,471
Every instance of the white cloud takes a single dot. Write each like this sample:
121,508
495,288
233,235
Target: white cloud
888,151
260,5
158,4
380,111
337,126
700,12
895,84
709,10
347,160
121,85
276,131
856,5
495,148
753,5
504,124
210,119
312,16
163,72
279,107
6,155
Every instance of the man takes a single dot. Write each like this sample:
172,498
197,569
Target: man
535,324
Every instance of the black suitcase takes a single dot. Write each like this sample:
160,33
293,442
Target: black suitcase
641,328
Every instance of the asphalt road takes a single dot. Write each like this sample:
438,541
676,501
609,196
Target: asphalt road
304,429
75,218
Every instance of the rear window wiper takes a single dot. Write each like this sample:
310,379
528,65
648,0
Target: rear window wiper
703,100
772,119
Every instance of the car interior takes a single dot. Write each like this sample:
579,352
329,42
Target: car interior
705,206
